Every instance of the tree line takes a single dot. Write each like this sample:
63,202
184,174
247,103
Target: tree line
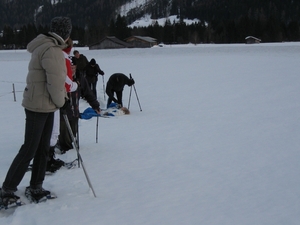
230,31
221,21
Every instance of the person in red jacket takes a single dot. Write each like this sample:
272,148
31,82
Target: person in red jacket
71,86
65,142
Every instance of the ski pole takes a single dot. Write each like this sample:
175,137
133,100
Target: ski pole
97,129
78,154
129,97
77,137
77,142
137,98
136,94
103,87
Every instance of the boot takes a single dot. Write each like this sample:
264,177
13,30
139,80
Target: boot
53,164
8,198
36,195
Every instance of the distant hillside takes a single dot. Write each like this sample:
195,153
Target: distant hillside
85,12
220,21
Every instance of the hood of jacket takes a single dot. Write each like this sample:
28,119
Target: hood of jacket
49,39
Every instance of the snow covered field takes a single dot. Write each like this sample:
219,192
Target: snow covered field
216,143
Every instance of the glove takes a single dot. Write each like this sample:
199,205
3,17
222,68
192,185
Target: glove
131,82
98,110
66,106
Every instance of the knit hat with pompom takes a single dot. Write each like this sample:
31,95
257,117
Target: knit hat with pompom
62,26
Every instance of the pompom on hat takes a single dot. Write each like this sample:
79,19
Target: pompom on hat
62,26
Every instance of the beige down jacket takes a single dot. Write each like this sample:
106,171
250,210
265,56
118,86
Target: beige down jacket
45,89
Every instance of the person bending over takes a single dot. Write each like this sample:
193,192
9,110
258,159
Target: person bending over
115,85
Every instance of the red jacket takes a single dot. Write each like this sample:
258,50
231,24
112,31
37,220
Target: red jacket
69,84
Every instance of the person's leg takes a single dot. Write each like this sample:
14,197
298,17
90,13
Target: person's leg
65,140
109,101
41,157
119,97
55,130
74,126
34,129
54,164
94,88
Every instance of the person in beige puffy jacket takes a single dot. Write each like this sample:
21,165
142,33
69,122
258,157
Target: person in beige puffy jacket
44,94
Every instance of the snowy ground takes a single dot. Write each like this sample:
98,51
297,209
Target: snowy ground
216,143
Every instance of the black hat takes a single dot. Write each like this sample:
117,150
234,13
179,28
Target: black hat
62,26
93,62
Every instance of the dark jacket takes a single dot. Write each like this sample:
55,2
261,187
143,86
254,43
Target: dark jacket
82,91
116,83
92,72
81,62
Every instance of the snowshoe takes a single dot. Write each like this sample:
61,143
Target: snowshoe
70,165
9,200
38,195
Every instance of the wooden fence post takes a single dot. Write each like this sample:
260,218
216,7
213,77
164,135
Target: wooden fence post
14,92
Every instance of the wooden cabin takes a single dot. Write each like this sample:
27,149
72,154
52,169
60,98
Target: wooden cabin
141,41
252,40
109,42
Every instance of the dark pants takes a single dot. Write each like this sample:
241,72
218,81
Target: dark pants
93,87
65,139
119,95
38,129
